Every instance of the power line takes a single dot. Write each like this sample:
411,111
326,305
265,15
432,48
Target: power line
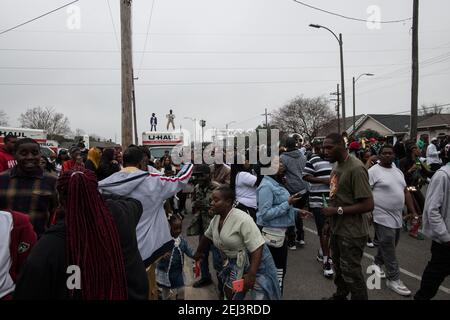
42,15
182,83
114,26
168,83
404,70
347,17
146,36
199,34
208,52
192,68
399,82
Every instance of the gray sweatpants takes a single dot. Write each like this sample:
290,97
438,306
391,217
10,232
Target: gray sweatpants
387,242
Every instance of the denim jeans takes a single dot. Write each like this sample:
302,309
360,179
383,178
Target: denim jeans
217,263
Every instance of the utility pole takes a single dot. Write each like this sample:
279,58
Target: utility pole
266,114
337,94
338,108
136,141
341,44
127,73
415,70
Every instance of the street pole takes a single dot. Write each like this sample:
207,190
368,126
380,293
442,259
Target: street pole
136,141
354,104
341,44
415,70
266,114
341,51
338,107
127,73
267,123
354,108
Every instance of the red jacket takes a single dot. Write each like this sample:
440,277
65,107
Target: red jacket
23,238
7,160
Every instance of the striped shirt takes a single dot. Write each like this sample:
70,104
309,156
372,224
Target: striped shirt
318,168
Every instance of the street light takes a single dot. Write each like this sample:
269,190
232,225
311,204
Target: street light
339,39
195,126
354,108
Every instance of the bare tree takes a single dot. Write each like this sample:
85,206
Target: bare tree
79,132
303,115
431,110
45,119
3,118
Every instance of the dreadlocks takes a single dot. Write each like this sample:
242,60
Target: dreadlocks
92,238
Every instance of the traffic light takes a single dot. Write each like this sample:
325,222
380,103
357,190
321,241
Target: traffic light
202,123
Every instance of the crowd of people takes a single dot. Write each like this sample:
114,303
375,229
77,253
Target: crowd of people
102,224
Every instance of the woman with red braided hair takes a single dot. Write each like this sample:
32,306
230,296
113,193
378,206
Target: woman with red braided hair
91,253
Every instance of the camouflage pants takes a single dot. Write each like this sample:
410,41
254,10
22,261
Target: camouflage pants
347,254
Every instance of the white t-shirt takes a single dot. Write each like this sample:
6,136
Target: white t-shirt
246,189
388,189
433,154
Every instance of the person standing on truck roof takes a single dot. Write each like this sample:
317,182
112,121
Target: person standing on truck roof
7,160
170,119
153,122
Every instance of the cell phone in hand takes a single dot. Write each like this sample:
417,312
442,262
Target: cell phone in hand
238,285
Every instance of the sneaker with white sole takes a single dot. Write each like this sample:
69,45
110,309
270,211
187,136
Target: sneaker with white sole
379,272
319,256
398,287
370,244
328,269
292,247
301,242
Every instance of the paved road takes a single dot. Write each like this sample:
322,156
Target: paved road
304,279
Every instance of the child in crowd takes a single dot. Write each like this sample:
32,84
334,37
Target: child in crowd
169,272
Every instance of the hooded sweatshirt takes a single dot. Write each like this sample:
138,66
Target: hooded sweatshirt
45,276
294,162
436,213
7,160
153,231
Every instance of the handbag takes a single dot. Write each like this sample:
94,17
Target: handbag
274,237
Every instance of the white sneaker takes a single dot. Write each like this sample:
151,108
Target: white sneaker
370,245
398,287
302,242
293,247
328,269
379,272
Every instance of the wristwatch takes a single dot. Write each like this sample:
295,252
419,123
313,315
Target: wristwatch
340,211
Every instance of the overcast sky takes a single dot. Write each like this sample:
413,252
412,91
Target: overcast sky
221,61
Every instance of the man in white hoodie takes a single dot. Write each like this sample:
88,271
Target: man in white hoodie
151,189
436,225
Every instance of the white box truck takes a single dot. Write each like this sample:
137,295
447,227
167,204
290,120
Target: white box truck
160,141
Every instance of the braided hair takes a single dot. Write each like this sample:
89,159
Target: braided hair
92,239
